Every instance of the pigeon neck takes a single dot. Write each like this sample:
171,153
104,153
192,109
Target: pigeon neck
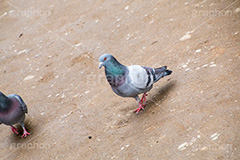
115,68
115,73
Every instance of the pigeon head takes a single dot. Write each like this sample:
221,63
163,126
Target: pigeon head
105,59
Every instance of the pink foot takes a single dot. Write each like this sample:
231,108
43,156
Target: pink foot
141,103
25,133
139,108
14,130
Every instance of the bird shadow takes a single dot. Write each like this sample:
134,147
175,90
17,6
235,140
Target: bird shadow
157,98
161,95
16,138
153,101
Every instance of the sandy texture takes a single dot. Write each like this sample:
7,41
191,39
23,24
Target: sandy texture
49,55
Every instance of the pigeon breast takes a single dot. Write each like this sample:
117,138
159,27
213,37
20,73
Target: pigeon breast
14,114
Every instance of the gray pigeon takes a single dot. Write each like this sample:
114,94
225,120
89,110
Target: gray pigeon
12,111
130,81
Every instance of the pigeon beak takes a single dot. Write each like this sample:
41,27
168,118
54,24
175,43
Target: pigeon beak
100,65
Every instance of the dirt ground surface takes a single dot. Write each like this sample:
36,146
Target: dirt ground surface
49,55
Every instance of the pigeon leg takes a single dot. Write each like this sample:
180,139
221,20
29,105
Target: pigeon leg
143,100
140,107
140,103
145,95
14,130
25,132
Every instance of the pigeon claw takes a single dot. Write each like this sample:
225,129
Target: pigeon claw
139,109
14,130
25,134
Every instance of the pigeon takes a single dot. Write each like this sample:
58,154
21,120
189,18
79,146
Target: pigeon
130,81
12,111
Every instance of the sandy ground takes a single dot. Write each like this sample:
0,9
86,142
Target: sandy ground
49,55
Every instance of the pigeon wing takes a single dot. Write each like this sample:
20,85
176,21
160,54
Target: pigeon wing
23,105
139,77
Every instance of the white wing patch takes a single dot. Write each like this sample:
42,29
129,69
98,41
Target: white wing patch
138,77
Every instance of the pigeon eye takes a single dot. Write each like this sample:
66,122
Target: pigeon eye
105,59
